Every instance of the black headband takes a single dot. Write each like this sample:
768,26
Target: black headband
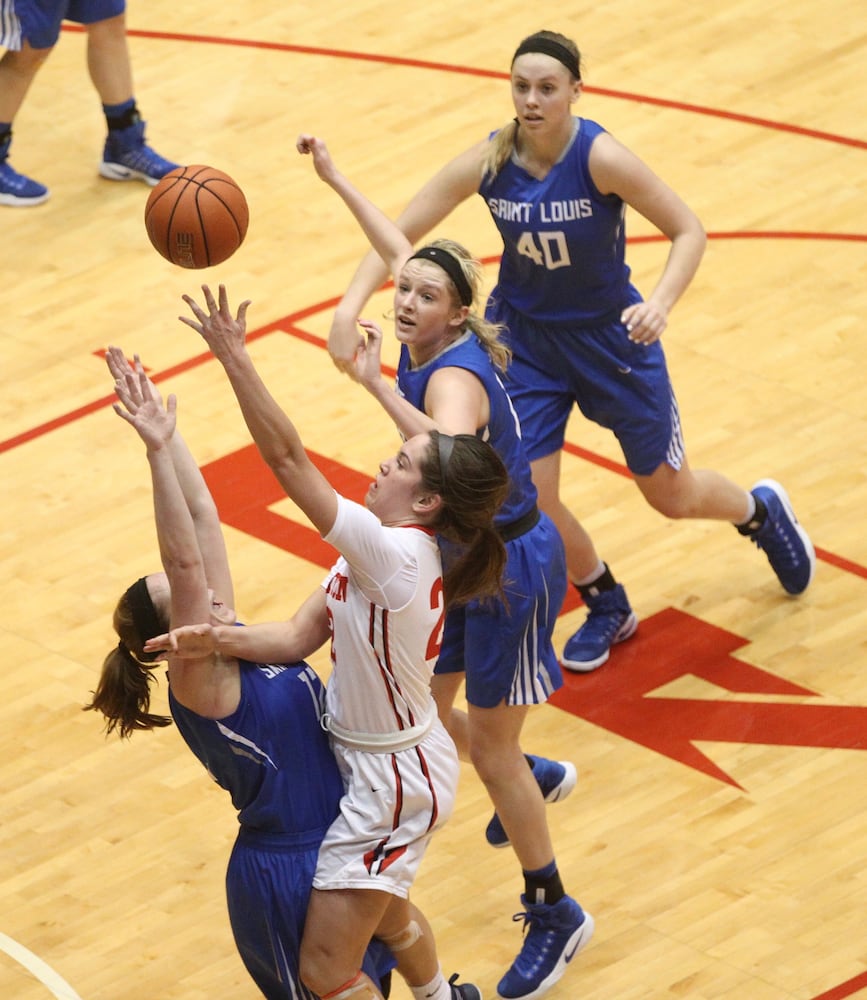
445,446
452,266
548,47
145,618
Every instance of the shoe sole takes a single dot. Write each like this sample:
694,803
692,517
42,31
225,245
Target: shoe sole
557,794
783,497
115,172
627,630
457,993
13,201
570,780
575,945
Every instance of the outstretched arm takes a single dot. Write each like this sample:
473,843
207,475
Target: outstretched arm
200,503
454,183
272,430
141,406
385,237
268,642
206,686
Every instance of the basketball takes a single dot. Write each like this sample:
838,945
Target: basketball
196,216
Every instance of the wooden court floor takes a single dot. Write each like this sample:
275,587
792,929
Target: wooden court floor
719,829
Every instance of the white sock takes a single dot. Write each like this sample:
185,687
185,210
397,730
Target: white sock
585,581
436,989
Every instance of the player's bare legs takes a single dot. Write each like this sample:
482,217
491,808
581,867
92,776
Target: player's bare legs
610,618
108,60
340,923
682,493
582,560
495,750
17,70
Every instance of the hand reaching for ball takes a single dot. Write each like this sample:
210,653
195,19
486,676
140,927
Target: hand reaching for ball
224,333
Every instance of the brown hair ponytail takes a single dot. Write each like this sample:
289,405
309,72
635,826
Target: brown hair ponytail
473,483
123,693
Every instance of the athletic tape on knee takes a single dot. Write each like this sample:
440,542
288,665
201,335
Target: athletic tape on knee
359,988
405,939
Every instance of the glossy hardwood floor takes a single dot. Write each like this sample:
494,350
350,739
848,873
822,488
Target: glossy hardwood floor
719,829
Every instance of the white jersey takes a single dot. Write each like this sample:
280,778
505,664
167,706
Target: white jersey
385,610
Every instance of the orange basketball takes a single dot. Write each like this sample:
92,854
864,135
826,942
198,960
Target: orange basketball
196,216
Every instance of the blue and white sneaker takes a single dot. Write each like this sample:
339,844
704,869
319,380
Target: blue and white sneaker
610,620
554,933
556,779
18,190
787,546
464,991
127,157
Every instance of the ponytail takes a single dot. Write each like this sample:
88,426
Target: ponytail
123,693
499,150
473,483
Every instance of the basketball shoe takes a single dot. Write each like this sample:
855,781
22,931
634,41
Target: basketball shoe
787,546
15,188
464,991
127,157
610,620
554,933
556,779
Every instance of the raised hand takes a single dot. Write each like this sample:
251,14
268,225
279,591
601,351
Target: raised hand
367,367
309,145
141,404
224,333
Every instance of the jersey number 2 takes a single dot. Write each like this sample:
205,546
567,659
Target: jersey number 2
435,639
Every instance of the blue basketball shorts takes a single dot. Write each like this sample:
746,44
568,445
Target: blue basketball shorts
268,884
506,648
615,383
39,21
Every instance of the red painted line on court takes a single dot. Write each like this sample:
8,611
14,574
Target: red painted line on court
845,564
388,60
290,325
847,989
734,116
287,324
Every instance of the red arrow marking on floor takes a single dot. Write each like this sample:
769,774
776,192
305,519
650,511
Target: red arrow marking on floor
244,488
619,697
671,645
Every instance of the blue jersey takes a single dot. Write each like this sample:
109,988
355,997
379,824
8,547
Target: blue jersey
563,241
273,757
504,646
271,754
502,431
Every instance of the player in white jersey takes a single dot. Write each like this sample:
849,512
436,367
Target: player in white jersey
449,378
382,606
